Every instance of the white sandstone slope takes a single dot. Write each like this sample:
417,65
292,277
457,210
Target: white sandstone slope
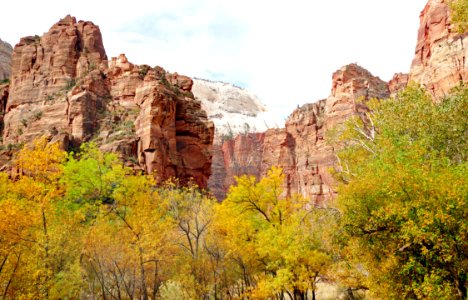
232,109
5,60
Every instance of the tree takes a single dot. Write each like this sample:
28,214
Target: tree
192,211
459,10
128,248
404,197
274,240
91,176
43,255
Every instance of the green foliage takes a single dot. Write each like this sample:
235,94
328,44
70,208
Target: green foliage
70,84
277,240
38,115
83,226
459,10
405,201
143,70
93,176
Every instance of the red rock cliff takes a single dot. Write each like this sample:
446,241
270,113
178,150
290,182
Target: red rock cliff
441,53
398,82
63,86
300,148
440,63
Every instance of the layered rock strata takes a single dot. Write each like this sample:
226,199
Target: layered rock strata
398,82
63,86
441,54
440,64
300,148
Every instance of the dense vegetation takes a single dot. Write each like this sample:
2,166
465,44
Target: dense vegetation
81,225
404,201
459,12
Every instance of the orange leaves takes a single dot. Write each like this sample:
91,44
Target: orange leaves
276,238
41,161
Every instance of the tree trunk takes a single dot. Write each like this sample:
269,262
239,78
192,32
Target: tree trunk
46,250
144,291
298,295
11,277
156,280
350,294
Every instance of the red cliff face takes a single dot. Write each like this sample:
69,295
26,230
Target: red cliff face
441,53
398,82
63,86
56,84
236,157
300,148
440,63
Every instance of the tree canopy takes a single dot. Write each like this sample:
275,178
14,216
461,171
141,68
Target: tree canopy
404,197
83,226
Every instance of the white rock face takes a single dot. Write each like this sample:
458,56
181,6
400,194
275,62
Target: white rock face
5,59
232,109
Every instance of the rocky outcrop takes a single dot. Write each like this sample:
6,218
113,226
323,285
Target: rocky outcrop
63,86
57,84
235,112
441,53
300,148
5,60
398,83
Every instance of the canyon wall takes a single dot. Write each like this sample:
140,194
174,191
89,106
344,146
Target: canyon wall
299,148
63,86
441,54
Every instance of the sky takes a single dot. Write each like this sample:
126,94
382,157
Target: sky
283,51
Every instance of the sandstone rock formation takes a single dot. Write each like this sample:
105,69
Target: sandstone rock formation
398,82
300,148
440,64
441,53
56,85
63,86
5,60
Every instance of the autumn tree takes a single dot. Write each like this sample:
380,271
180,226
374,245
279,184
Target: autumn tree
126,249
274,240
192,212
459,11
404,195
45,256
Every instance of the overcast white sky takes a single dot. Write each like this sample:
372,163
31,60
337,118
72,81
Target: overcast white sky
284,51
